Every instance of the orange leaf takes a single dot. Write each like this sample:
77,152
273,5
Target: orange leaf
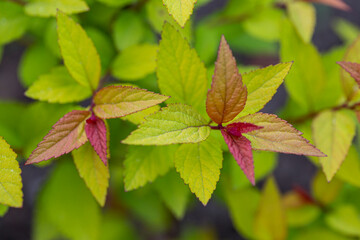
277,135
67,134
227,96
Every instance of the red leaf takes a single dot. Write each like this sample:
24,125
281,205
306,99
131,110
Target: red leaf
237,129
339,4
227,96
353,69
240,148
67,134
95,129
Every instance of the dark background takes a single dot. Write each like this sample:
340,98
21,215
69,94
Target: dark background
291,169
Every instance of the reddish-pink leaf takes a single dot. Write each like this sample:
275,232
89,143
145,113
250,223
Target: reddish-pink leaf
240,148
237,129
339,4
227,96
95,129
67,134
353,69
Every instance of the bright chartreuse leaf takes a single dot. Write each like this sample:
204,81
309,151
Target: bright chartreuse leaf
177,123
139,117
305,86
261,86
66,135
350,168
37,60
48,8
180,9
303,17
270,222
58,87
199,165
3,210
227,96
333,132
10,179
242,204
128,30
67,205
323,191
94,172
173,192
144,164
13,22
180,72
344,219
78,51
119,101
104,46
135,62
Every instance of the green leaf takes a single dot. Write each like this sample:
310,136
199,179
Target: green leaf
242,204
302,216
270,222
346,30
37,60
139,117
67,205
128,30
177,123
117,3
135,62
180,72
350,86
144,164
114,227
350,168
173,192
13,22
261,86
58,87
303,16
344,219
199,165
78,51
180,10
320,233
48,8
306,81
93,171
333,132
323,191
10,179
3,210
119,101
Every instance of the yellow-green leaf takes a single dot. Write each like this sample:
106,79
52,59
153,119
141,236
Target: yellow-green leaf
261,86
119,101
323,191
180,72
199,165
350,168
10,179
58,87
144,164
333,132
93,171
135,62
344,219
270,222
177,123
180,9
303,17
78,51
47,8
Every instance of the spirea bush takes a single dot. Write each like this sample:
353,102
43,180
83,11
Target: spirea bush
138,111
